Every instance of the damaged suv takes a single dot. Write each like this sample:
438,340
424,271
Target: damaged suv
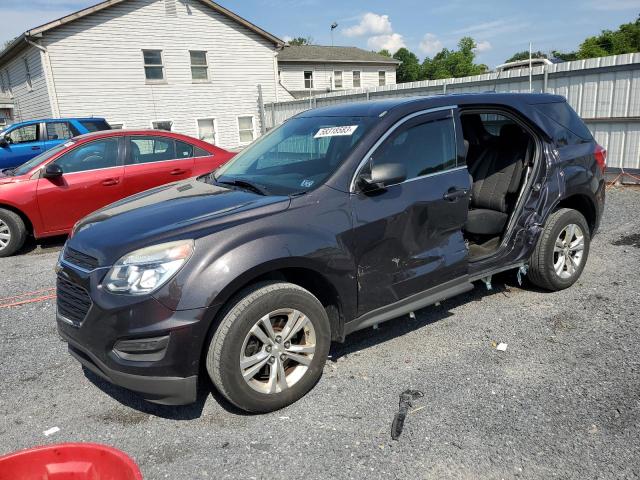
341,218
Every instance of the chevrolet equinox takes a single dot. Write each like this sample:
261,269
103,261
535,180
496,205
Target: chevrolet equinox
341,218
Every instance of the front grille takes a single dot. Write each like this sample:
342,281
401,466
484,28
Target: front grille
80,259
73,301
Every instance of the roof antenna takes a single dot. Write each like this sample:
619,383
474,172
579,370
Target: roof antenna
334,25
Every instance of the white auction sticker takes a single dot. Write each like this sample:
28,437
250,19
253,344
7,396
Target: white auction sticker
346,130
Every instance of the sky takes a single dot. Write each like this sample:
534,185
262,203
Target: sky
499,27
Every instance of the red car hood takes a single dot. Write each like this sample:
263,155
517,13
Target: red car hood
4,179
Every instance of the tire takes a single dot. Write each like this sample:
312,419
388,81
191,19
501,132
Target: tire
243,335
11,226
552,244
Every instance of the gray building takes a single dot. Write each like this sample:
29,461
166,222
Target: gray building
193,67
307,70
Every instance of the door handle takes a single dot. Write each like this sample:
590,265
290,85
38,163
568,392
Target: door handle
35,148
110,182
455,194
177,171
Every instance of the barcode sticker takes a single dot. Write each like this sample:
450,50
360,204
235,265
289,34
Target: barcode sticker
346,130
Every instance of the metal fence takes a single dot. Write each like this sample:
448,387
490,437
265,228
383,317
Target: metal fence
604,91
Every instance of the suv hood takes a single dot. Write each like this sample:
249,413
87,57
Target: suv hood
188,209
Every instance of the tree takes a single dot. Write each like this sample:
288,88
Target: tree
385,53
301,41
453,63
566,56
409,69
524,55
626,39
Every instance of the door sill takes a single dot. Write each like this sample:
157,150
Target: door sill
410,304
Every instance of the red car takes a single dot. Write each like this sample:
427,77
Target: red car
47,195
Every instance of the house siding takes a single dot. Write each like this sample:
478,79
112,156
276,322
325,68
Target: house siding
292,75
28,103
98,68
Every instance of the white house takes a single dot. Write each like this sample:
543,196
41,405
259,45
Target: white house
189,65
306,70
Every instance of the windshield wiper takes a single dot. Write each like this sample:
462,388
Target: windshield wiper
9,171
246,185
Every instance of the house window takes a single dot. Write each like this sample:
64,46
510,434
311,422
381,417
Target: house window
337,79
308,80
207,130
27,74
153,68
162,125
245,129
382,78
6,74
199,67
356,79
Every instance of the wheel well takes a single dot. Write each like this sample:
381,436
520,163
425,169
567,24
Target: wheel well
25,219
315,283
582,204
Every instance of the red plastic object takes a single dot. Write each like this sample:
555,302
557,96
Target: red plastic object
69,461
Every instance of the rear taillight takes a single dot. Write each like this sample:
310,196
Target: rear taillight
600,155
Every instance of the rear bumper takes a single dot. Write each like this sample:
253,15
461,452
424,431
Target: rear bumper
163,390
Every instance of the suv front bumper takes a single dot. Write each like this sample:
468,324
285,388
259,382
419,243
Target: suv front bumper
133,342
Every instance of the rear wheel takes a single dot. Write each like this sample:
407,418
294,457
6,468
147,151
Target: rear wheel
562,251
13,232
270,347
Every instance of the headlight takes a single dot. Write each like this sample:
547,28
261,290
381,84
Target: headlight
145,270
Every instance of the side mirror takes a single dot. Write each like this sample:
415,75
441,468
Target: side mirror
4,142
382,176
52,171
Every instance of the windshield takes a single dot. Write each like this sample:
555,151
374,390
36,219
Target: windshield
35,161
295,157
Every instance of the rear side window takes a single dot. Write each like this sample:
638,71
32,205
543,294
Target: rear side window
425,148
564,115
95,125
59,131
200,152
150,149
184,150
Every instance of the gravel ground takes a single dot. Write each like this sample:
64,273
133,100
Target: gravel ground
562,401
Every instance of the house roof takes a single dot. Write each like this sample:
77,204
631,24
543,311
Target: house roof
321,54
19,42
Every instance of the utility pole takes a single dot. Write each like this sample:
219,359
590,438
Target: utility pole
530,73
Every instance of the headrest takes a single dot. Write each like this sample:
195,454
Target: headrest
510,131
473,128
466,148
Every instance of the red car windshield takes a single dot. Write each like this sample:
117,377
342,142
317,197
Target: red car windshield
35,161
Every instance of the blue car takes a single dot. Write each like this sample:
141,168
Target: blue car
23,141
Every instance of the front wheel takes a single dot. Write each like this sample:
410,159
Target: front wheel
561,252
13,232
270,347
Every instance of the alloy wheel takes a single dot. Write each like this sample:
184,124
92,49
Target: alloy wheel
5,234
568,251
277,351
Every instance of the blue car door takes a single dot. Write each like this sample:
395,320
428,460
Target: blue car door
22,143
57,133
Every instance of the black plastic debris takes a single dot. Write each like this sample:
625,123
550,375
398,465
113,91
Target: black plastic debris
406,399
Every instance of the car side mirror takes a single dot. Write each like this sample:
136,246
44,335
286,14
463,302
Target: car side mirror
4,142
52,171
382,176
